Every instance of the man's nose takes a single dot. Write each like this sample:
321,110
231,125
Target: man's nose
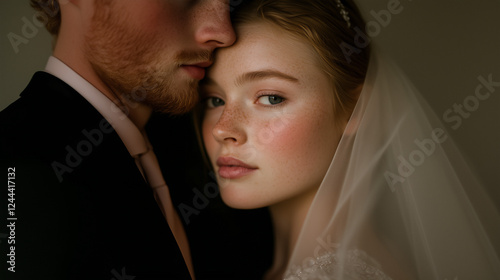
214,24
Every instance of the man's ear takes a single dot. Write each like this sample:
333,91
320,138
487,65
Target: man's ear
66,3
76,3
83,8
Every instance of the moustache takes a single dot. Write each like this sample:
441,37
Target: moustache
193,57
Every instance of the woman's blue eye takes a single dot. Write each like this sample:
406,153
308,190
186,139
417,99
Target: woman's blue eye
213,102
270,99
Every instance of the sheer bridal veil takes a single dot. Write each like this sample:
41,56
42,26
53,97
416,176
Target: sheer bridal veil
398,200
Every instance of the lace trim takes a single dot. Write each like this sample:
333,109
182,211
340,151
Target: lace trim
357,265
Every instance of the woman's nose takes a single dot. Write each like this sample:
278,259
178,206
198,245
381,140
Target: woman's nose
230,128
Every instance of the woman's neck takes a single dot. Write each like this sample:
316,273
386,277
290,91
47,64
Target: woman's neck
288,217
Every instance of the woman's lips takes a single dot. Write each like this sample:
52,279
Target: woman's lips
231,168
234,172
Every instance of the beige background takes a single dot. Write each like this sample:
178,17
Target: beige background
442,45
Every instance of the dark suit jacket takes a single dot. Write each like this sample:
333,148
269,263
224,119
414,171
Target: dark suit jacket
84,211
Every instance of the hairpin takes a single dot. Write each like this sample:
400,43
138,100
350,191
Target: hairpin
344,13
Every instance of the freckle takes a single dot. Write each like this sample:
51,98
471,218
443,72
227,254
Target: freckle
233,117
238,115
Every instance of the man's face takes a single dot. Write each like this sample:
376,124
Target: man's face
154,51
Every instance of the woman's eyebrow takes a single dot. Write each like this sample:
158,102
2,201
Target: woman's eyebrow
252,76
263,74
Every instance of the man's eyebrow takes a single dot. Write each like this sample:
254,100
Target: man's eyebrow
264,74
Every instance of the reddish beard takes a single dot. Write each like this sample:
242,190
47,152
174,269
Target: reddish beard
136,66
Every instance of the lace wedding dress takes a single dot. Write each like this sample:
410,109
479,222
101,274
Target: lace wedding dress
358,266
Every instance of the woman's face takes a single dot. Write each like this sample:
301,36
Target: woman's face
269,126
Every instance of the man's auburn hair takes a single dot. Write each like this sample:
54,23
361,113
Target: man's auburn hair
48,13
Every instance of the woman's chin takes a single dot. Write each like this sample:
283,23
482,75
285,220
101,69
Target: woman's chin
240,199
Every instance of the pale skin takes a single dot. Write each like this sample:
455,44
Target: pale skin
157,32
269,128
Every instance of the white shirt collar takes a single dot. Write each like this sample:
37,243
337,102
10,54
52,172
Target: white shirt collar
124,127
